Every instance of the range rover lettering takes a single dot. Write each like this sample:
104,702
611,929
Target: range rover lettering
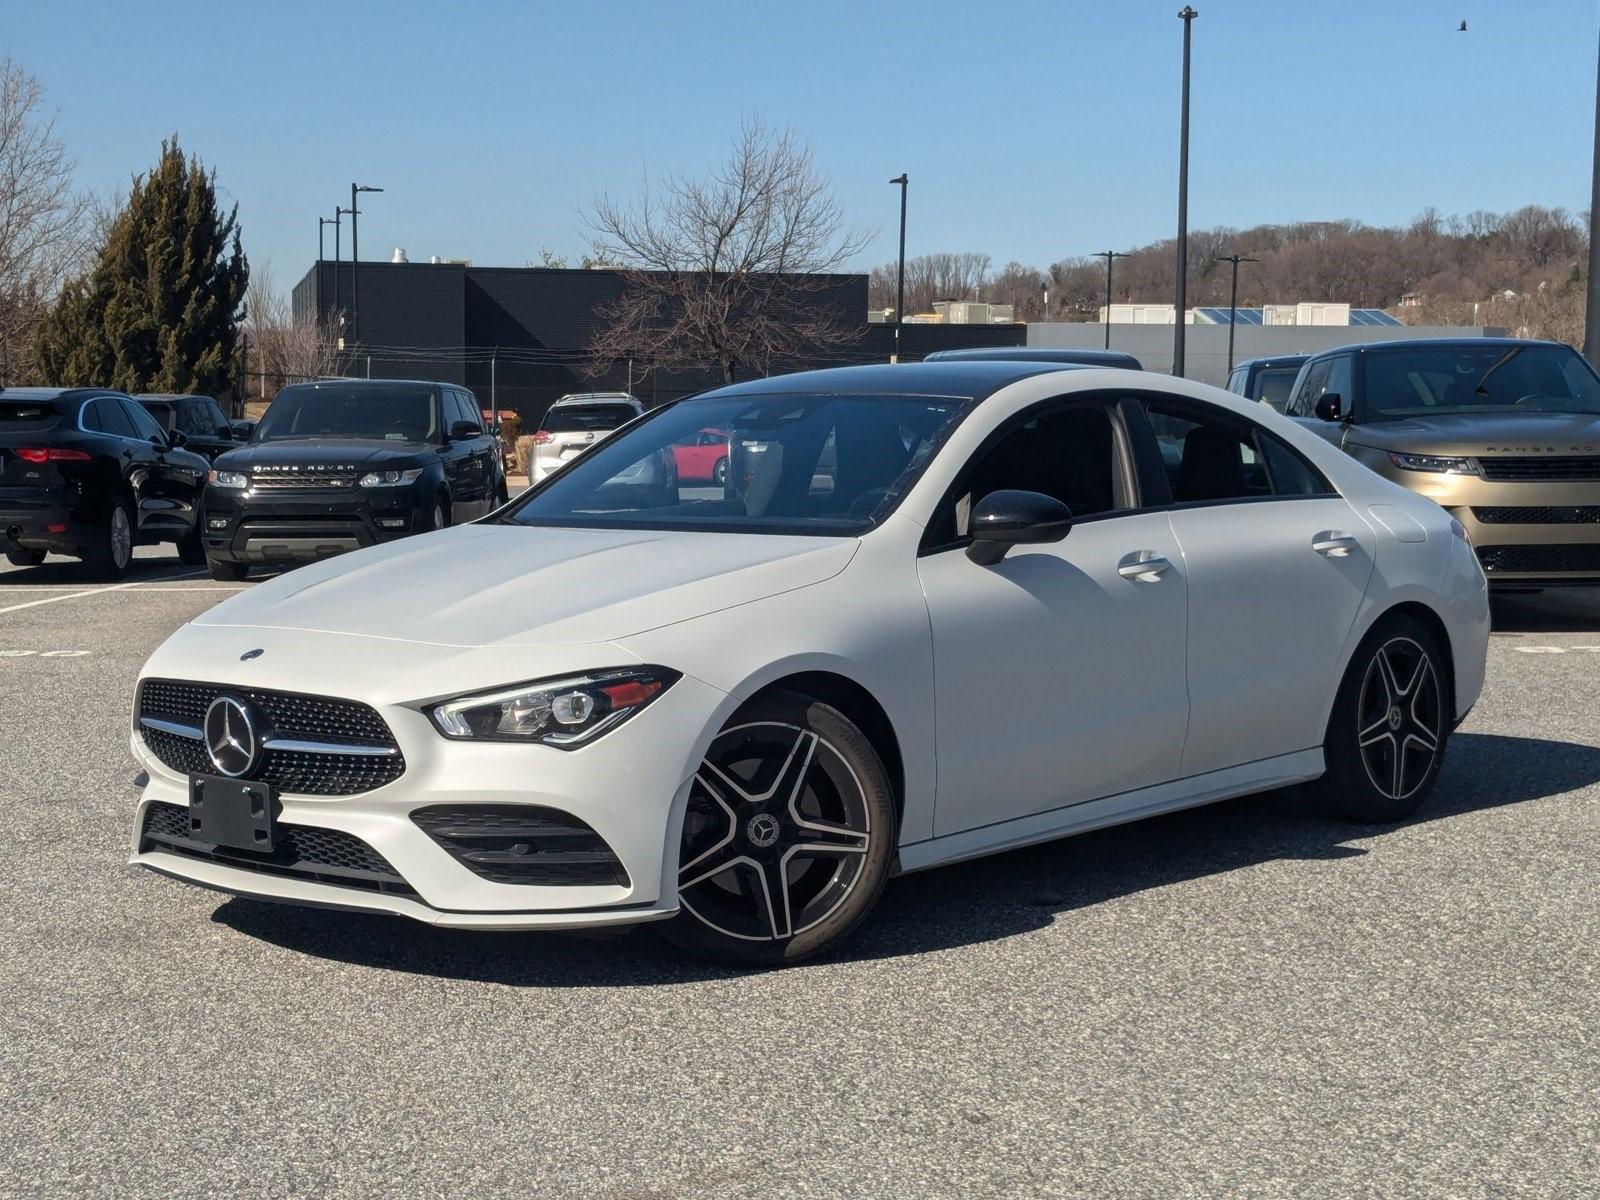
341,464
1503,433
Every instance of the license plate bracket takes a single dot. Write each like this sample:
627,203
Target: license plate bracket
235,813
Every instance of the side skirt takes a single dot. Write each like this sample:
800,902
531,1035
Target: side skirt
1264,775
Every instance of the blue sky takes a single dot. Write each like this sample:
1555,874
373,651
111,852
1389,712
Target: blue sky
1030,130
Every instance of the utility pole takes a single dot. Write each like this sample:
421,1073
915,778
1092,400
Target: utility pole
338,215
355,261
1187,16
1109,255
1591,321
1233,297
900,275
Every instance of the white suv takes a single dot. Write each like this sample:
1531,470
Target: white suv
574,424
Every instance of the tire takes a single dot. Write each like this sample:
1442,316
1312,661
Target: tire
112,549
791,803
227,572
719,473
25,558
191,547
440,517
1391,719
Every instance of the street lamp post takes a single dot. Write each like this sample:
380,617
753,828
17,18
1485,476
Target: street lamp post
1591,321
1109,256
338,311
322,227
1233,297
1187,16
900,274
355,260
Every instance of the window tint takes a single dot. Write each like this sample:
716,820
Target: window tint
1067,453
1340,381
106,415
144,425
188,418
219,419
1236,381
470,410
1273,384
577,418
1216,456
395,412
1531,377
1304,402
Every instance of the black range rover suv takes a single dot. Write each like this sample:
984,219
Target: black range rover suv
345,463
88,473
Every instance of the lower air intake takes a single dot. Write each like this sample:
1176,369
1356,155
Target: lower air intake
522,844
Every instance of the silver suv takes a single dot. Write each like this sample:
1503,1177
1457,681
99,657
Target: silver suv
576,423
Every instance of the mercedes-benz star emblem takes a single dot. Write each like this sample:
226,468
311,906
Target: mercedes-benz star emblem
763,830
231,739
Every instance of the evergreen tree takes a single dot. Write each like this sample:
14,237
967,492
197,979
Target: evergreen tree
160,309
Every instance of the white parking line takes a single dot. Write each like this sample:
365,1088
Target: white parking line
96,591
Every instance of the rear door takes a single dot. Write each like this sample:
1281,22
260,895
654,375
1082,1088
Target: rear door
1277,564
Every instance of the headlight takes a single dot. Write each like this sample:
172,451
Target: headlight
389,478
229,479
565,713
1434,463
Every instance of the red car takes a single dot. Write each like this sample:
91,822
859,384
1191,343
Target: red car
703,458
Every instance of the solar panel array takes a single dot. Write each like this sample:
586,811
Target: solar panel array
1252,316
1372,316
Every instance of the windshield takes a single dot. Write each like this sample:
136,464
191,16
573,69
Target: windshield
579,418
1273,384
399,412
1428,380
796,463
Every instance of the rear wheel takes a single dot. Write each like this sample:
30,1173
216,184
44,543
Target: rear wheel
788,835
111,551
25,558
1386,737
226,572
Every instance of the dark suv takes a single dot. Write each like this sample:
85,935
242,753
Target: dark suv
200,419
345,463
1269,380
88,473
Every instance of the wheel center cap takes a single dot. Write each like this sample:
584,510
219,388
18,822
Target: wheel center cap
1395,717
762,830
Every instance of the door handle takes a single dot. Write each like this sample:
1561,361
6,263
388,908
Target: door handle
1332,544
1143,566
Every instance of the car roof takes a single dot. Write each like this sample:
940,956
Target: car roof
357,381
40,394
1463,343
172,396
1273,360
964,378
599,397
1085,356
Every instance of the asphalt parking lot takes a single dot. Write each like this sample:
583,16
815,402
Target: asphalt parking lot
1239,1000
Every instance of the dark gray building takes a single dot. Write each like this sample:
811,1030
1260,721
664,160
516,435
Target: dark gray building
520,335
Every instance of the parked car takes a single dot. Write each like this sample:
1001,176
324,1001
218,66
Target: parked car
346,463
1504,433
1267,380
721,712
702,457
200,419
86,472
575,424
1067,355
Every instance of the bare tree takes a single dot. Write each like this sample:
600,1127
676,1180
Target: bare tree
726,270
42,218
281,349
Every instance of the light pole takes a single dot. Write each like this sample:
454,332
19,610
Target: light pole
1046,301
900,274
1109,256
338,312
322,227
1233,297
1187,16
355,260
1591,321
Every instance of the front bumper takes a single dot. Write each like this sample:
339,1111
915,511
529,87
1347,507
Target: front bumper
250,526
629,787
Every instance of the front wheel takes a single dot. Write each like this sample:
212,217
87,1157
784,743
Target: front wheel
1386,737
226,572
788,835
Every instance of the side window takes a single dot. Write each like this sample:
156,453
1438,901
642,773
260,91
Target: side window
1340,381
90,418
112,417
1071,453
186,417
1304,402
1211,456
470,411
218,419
1236,383
144,425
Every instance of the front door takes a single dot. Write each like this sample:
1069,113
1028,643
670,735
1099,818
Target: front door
1059,671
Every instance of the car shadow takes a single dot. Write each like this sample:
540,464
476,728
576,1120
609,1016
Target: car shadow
1554,610
980,901
69,571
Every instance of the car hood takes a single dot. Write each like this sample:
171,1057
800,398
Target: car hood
1484,433
326,452
510,585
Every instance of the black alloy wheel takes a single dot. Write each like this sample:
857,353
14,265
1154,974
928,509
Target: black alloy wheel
787,837
1386,738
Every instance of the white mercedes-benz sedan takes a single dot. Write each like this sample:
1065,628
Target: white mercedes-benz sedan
931,612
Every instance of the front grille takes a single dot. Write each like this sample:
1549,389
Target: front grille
522,844
299,851
1540,466
1549,514
1540,560
321,719
305,481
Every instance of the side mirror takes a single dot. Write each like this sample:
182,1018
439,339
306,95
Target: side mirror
462,430
1005,519
241,430
1330,406
177,437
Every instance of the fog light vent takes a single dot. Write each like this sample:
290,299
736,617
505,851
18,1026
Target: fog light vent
522,844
